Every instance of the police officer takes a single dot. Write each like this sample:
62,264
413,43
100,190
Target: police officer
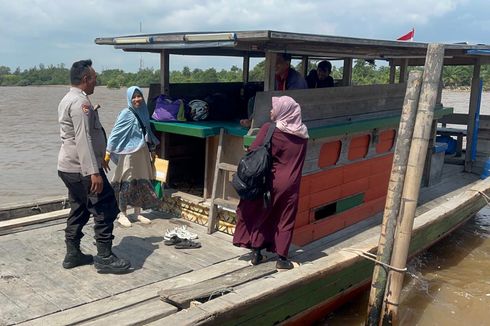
80,166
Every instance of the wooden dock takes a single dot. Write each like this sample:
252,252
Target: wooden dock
36,290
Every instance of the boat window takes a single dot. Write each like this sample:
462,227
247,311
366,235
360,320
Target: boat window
339,206
358,147
329,154
385,141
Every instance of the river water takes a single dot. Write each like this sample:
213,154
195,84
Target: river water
452,280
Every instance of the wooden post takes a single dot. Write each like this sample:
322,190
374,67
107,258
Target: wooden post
475,92
269,71
413,176
403,71
246,68
213,214
304,65
393,196
347,72
164,73
392,72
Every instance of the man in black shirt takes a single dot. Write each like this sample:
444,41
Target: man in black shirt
321,76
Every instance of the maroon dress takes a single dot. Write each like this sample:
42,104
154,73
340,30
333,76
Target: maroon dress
272,228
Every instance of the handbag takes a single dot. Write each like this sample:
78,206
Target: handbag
160,171
167,109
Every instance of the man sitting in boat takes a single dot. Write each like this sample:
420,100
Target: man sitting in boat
286,78
320,77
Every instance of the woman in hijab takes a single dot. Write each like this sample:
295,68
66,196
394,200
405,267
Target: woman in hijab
129,146
272,228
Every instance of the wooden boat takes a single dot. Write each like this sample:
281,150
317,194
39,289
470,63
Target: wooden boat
343,191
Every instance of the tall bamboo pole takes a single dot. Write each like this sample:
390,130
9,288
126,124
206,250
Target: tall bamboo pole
392,205
411,187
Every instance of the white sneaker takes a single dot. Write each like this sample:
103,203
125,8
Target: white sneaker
180,232
143,219
124,221
170,233
183,233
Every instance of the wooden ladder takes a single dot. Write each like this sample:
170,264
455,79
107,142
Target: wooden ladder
221,170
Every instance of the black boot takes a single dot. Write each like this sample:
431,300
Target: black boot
256,257
284,263
107,262
74,257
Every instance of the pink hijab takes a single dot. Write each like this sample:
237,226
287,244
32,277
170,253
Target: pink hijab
287,115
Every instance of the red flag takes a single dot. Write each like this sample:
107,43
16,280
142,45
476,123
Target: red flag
407,37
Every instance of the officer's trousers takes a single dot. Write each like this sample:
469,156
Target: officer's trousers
102,206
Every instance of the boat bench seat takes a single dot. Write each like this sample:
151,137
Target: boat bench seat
201,129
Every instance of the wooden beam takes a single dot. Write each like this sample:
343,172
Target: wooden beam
403,71
304,65
246,68
269,71
475,89
392,72
164,73
347,72
34,219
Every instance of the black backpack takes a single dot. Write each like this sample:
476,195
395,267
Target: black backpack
251,180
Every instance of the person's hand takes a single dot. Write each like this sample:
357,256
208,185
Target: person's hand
105,162
153,156
97,183
105,166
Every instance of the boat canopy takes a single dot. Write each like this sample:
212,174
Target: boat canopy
256,43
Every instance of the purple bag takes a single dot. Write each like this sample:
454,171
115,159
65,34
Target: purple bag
168,110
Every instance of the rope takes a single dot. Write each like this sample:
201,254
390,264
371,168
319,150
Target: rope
484,195
372,257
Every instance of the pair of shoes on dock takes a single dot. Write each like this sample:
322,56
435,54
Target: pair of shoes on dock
181,232
182,243
124,220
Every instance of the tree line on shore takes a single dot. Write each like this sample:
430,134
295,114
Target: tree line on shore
363,73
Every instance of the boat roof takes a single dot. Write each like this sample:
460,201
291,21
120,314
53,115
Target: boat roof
256,43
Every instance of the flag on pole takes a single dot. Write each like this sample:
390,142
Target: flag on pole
407,37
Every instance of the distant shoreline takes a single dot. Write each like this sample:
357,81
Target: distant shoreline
453,89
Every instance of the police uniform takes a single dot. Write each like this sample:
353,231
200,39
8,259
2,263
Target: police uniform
81,155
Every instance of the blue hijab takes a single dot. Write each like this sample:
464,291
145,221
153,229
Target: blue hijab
127,136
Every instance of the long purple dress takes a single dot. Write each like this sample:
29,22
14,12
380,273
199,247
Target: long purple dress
272,228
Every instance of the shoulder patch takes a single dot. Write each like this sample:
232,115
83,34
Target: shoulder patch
85,108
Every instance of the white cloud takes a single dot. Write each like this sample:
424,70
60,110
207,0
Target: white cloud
57,30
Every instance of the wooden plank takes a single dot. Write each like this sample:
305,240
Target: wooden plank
325,103
127,299
34,219
22,209
181,297
139,314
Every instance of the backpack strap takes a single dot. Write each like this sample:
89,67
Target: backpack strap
268,136
139,120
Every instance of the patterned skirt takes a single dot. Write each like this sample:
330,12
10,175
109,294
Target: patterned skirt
132,181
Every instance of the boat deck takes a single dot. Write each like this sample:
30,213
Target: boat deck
36,290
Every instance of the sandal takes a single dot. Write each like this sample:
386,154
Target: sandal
172,241
187,244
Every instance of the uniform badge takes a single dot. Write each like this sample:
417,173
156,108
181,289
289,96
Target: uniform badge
85,108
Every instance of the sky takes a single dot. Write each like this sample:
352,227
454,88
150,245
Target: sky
53,32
